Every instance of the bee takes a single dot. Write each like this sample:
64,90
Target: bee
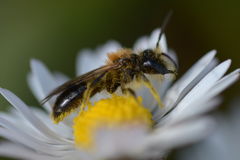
122,67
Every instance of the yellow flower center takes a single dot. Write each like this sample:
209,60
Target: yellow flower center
116,111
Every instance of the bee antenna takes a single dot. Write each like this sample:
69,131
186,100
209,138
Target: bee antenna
163,26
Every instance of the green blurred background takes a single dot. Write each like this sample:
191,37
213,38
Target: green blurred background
54,32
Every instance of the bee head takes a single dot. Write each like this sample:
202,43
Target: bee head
153,63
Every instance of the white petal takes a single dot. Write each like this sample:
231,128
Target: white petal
181,134
194,110
20,122
27,113
153,38
165,84
194,72
153,41
150,42
7,121
110,46
42,82
148,101
207,103
196,68
85,61
181,88
20,152
161,84
223,83
141,90
200,90
224,143
101,95
37,90
60,78
141,44
193,83
28,139
118,142
88,60
163,44
62,129
44,77
206,83
173,55
59,151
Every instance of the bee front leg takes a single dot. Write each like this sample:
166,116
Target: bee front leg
128,91
153,91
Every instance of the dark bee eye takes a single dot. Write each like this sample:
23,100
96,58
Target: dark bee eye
154,67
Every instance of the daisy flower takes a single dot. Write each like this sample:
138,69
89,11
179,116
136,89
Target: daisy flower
114,126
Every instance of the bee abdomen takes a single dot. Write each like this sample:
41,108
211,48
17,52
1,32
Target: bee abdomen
67,101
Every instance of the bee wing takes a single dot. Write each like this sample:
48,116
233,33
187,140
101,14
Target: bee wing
83,78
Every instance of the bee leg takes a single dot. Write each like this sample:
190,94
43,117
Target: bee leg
86,97
153,91
87,93
128,91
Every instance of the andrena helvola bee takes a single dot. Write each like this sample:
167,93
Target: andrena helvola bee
122,67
